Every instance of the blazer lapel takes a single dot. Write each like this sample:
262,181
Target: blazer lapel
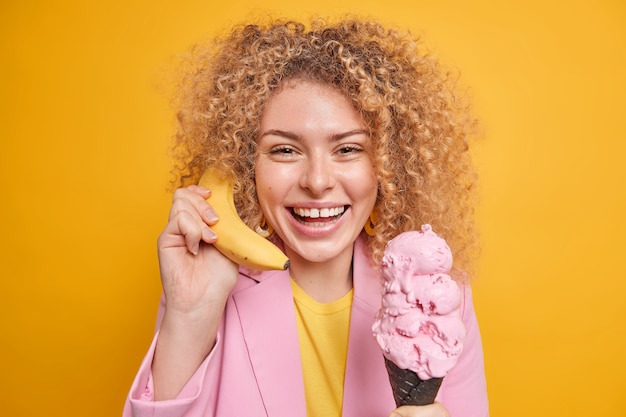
367,391
267,315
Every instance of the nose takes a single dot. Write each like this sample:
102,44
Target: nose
318,176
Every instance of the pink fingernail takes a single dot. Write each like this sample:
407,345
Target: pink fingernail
211,216
208,235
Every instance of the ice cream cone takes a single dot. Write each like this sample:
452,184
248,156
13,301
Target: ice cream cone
418,325
408,388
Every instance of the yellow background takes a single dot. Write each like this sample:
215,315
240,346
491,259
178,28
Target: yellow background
84,127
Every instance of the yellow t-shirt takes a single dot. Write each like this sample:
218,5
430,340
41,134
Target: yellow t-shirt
323,336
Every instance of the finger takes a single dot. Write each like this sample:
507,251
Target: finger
208,214
173,237
186,225
202,191
194,232
193,199
208,235
433,410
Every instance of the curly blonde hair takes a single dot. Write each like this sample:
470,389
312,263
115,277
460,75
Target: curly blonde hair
419,124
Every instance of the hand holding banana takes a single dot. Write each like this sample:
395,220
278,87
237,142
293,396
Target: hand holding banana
235,239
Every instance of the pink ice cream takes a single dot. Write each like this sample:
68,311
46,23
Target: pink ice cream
419,326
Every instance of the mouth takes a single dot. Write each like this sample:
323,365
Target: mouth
312,216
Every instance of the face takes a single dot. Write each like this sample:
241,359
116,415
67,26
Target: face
314,175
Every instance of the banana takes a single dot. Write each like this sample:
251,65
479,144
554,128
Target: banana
235,239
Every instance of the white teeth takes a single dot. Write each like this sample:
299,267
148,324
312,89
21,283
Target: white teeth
317,213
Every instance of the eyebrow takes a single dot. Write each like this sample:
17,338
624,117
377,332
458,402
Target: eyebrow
334,138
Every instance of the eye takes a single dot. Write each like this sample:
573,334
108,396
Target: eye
282,150
349,149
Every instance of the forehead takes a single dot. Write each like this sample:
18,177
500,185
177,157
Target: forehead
306,99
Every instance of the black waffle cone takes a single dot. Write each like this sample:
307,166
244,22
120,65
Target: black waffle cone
408,388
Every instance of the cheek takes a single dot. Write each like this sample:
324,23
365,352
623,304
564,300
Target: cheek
272,181
370,195
260,181
268,193
368,185
263,192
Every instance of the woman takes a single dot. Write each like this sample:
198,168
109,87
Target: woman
325,129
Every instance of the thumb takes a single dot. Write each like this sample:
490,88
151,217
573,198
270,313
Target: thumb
432,410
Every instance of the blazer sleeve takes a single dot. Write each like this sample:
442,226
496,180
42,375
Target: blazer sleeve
464,390
192,398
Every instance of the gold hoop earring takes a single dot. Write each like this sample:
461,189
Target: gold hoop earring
264,229
370,223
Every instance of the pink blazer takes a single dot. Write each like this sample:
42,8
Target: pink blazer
255,369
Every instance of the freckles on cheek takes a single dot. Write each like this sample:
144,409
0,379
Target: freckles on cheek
263,191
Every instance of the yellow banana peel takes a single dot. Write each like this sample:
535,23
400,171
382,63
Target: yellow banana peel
235,239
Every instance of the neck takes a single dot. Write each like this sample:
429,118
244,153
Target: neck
323,281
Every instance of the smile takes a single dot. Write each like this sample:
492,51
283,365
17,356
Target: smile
323,214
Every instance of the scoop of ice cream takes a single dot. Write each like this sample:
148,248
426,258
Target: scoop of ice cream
422,253
436,294
419,326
